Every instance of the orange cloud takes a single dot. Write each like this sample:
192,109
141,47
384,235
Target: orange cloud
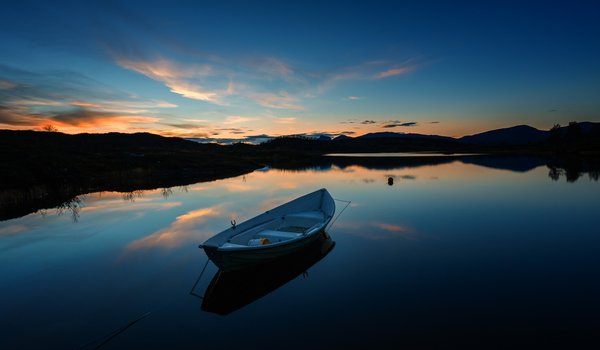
285,120
393,72
234,119
175,77
72,121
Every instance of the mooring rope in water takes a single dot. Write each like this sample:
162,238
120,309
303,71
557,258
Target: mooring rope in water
192,291
338,215
102,341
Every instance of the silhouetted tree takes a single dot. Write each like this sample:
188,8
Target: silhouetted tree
73,206
574,133
555,134
554,173
49,128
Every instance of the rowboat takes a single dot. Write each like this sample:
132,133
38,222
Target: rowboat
272,234
233,290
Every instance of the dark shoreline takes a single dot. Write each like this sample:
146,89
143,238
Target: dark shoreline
40,170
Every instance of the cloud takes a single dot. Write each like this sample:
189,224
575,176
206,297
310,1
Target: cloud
84,117
285,120
354,98
234,119
185,125
397,123
393,72
434,122
7,85
236,131
70,100
273,68
123,106
16,116
280,100
371,70
368,122
176,77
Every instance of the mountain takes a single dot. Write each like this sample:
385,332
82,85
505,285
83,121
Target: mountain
519,135
341,137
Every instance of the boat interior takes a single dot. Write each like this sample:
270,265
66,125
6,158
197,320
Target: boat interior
278,230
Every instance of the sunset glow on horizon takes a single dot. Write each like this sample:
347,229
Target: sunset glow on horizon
241,70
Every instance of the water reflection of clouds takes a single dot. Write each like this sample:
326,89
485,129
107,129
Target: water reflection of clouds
287,185
402,231
376,230
118,205
184,229
271,203
12,230
239,187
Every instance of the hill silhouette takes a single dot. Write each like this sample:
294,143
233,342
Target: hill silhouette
48,169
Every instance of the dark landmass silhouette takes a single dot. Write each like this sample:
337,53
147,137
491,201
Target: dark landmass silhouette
516,135
41,170
523,135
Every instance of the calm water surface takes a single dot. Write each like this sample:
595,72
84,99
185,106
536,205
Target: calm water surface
448,253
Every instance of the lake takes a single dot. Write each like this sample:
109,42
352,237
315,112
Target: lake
492,252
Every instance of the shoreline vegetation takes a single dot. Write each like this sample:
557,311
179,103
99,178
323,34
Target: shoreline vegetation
47,169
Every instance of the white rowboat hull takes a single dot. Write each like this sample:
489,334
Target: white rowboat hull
287,228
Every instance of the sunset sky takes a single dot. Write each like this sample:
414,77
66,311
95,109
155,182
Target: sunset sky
231,70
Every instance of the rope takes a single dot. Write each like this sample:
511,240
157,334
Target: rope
198,280
338,215
114,333
110,336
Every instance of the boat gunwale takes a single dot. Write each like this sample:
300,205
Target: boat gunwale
300,237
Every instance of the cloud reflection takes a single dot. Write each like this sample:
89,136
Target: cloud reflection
183,229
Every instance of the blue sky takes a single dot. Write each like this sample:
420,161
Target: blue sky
227,69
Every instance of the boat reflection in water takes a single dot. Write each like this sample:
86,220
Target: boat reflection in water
230,291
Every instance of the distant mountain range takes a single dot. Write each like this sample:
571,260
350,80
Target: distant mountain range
520,135
515,135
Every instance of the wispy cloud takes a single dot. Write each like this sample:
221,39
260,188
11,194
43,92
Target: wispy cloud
393,72
7,85
71,101
398,123
372,70
176,77
280,100
285,120
236,119
15,116
271,68
354,98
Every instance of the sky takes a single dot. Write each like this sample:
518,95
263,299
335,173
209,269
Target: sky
227,69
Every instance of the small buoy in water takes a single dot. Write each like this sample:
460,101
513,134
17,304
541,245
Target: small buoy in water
390,181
